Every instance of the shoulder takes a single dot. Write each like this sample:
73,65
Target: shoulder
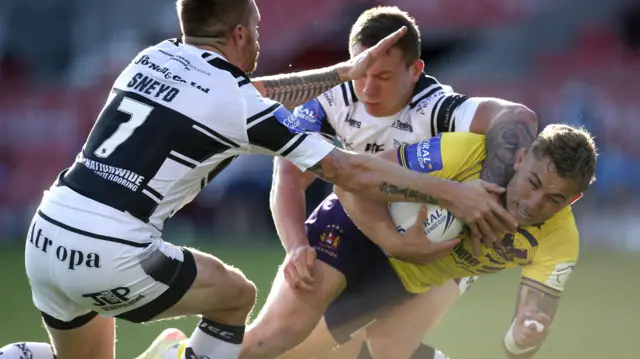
338,98
560,235
428,89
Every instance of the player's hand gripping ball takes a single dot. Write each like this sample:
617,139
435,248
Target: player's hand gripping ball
440,225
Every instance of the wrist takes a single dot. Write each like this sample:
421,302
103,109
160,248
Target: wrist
390,242
342,69
291,246
444,191
513,349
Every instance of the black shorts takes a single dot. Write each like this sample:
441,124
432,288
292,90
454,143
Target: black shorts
373,287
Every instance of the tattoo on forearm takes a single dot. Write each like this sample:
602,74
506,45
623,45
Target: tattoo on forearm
332,168
328,168
544,302
503,141
292,90
407,193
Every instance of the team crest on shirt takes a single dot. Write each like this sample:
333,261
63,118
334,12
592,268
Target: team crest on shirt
331,237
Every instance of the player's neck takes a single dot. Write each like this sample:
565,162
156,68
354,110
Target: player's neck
214,45
406,99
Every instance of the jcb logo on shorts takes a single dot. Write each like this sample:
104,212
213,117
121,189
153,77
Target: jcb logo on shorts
73,258
113,298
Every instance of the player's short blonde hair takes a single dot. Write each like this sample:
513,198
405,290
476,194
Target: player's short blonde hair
379,22
572,151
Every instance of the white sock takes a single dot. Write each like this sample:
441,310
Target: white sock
440,355
27,350
213,340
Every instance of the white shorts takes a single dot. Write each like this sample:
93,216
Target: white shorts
75,274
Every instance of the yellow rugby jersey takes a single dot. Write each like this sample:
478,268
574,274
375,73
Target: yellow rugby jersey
547,252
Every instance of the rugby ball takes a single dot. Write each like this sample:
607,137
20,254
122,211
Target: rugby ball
440,225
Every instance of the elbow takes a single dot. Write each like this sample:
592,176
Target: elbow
524,115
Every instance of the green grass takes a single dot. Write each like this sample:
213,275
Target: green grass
598,317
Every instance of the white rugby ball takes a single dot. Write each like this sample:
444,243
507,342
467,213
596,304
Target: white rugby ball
440,225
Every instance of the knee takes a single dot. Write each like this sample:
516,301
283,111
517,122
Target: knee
242,291
230,286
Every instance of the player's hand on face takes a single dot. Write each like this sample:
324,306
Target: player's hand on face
475,203
298,267
415,247
358,66
526,334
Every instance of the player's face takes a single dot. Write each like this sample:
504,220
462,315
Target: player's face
249,47
388,85
536,192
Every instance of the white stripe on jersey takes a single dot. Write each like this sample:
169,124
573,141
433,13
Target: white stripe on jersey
286,147
199,105
261,116
184,158
208,133
153,197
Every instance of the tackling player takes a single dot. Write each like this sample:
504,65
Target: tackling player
358,284
394,103
176,117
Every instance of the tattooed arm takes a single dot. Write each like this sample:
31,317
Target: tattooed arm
379,180
294,89
509,128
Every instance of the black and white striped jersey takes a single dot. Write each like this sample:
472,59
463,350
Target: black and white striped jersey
434,108
175,118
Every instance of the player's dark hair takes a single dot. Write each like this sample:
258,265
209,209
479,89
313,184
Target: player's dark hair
379,22
212,18
571,150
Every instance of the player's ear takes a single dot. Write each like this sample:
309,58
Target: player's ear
576,198
417,67
240,34
519,158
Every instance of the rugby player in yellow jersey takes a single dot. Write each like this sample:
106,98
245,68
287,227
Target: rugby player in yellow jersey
372,288
360,290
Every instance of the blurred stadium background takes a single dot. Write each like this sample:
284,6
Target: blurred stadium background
575,61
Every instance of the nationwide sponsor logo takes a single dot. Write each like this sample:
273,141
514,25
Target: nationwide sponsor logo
121,176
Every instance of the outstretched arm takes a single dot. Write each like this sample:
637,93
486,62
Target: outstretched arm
295,89
524,339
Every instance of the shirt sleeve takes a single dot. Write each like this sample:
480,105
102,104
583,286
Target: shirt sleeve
445,110
272,129
446,155
314,118
554,261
